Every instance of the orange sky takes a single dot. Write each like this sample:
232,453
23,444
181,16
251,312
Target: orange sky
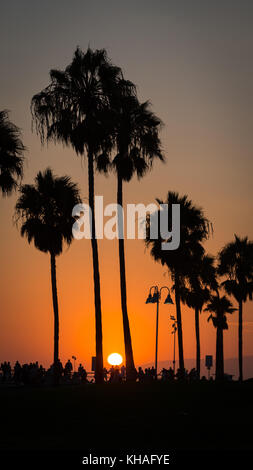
196,68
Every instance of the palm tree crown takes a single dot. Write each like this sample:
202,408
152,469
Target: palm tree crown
136,133
201,279
236,262
219,306
45,211
194,228
74,107
11,154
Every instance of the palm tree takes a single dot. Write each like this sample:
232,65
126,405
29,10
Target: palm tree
220,306
236,263
137,145
45,213
194,229
196,292
11,154
74,109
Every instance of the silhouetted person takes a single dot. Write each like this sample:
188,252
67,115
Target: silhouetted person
171,375
181,375
68,369
164,375
193,376
17,373
82,374
134,374
141,375
111,372
153,373
6,369
58,371
105,373
115,376
123,372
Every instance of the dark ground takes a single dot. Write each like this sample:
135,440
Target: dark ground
159,416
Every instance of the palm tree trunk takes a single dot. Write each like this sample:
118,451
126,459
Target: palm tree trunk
240,342
179,325
197,342
130,367
219,373
99,375
56,310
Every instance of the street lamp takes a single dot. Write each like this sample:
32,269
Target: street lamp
74,359
154,298
174,330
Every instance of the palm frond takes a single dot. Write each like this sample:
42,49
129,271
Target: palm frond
44,211
11,154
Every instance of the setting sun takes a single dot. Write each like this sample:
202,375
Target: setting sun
115,359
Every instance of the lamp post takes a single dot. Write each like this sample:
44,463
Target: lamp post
74,359
152,299
174,330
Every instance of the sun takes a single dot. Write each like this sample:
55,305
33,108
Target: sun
115,359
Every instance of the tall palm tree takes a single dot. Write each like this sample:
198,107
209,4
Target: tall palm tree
219,306
74,110
236,263
44,211
194,228
201,279
137,144
11,154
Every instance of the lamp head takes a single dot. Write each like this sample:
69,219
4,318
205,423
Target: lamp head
149,299
155,297
152,299
168,299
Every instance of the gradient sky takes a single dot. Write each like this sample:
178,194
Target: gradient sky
193,61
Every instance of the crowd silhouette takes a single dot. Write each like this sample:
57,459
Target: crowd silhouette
35,374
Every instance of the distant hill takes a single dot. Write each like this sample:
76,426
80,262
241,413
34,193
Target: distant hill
231,366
